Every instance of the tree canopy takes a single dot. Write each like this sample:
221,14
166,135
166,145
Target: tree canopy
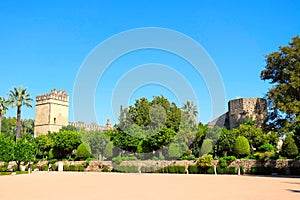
283,72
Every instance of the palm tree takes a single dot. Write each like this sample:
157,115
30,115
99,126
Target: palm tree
17,98
3,108
190,111
190,108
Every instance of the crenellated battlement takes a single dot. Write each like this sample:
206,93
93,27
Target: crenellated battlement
92,127
60,95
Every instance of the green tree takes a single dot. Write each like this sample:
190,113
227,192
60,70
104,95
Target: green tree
191,111
17,98
3,108
109,150
225,143
289,148
206,147
254,134
83,151
241,147
64,143
7,145
174,150
24,149
43,144
283,71
9,126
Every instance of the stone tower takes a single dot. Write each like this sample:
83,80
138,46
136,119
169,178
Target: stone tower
51,112
240,109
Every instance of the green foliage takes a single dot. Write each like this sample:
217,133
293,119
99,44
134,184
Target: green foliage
262,170
64,143
205,161
45,167
174,151
109,150
289,148
54,167
206,146
223,163
231,170
126,168
83,151
6,148
266,147
226,141
241,147
283,71
117,159
3,167
68,128
43,144
24,149
193,169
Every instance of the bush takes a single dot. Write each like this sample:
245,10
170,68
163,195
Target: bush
241,147
53,167
175,169
44,167
72,168
205,161
262,170
66,168
210,170
289,147
83,151
80,168
229,159
155,158
221,170
193,169
266,147
117,159
105,168
232,170
3,167
223,163
274,156
126,168
109,150
174,151
257,156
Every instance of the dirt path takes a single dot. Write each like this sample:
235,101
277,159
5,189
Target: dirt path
68,185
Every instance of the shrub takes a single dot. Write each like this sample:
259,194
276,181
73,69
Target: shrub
155,158
53,167
223,163
127,158
72,168
232,170
45,167
117,159
274,156
205,161
262,170
66,168
174,151
229,159
289,147
193,169
3,167
109,150
206,146
221,170
80,168
210,170
83,151
266,147
105,168
241,147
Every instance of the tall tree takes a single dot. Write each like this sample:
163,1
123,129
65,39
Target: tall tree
283,71
3,108
17,98
190,108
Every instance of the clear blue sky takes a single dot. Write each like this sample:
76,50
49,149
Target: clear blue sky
43,44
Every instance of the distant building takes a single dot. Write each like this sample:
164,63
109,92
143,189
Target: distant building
52,112
241,109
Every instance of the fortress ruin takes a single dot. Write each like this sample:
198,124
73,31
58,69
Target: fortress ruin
241,109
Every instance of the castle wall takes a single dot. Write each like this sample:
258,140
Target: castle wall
252,108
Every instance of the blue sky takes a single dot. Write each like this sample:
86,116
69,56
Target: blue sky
43,44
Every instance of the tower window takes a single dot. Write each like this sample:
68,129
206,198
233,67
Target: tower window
54,120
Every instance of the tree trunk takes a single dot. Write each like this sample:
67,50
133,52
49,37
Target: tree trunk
0,122
18,135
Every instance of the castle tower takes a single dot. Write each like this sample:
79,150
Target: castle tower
51,112
252,108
